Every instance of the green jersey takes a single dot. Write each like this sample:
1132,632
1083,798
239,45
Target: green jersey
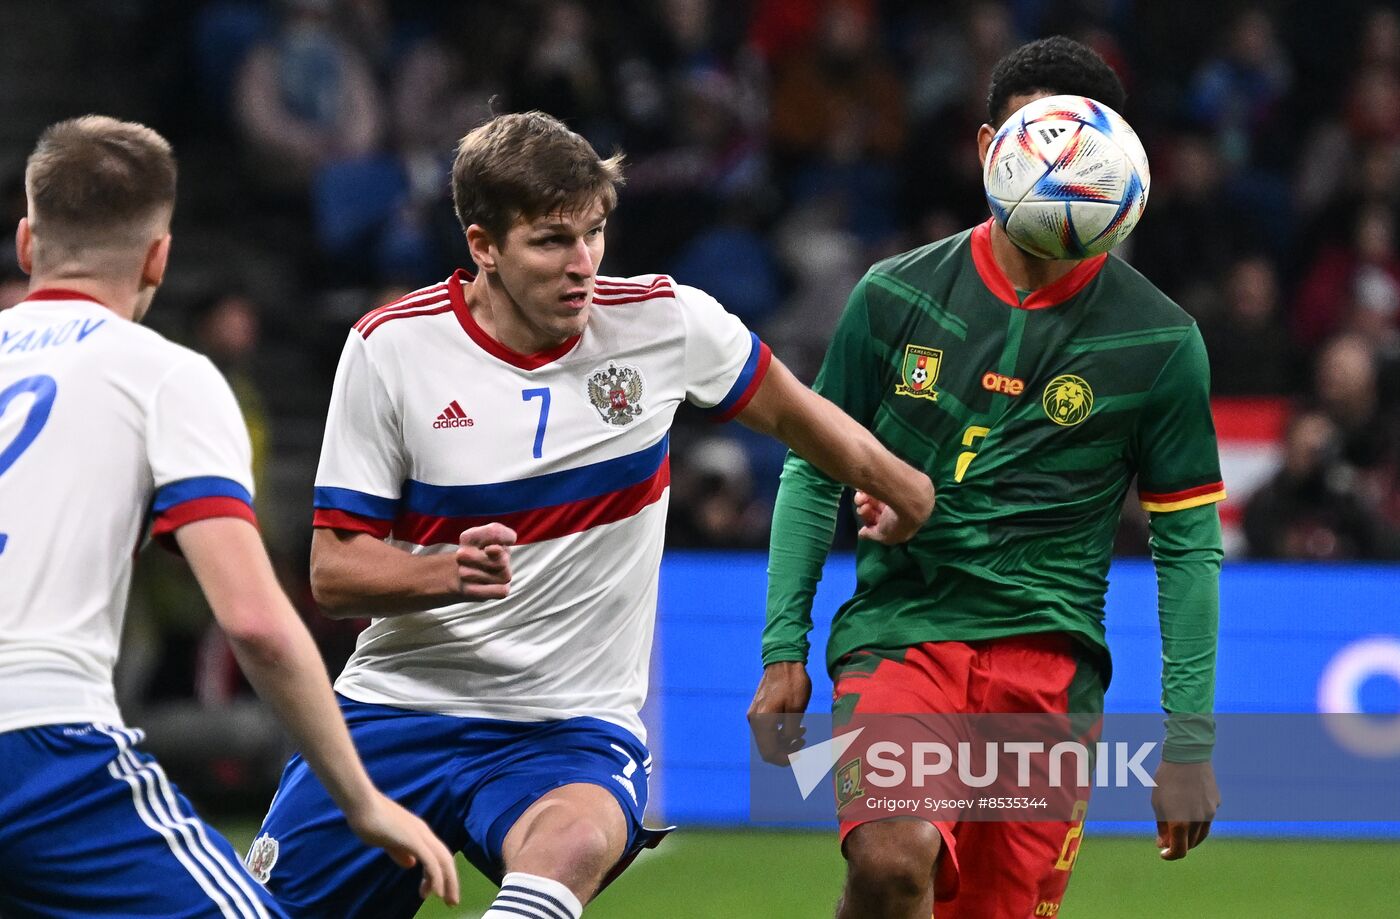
1032,414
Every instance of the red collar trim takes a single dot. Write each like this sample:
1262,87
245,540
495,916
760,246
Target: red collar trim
489,344
59,293
1000,285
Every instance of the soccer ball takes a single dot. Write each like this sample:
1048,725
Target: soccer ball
1066,177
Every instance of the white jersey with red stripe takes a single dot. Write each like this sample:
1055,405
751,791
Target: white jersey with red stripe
435,427
105,427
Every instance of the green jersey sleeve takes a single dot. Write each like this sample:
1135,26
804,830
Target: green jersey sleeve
1178,467
1178,463
804,515
1186,550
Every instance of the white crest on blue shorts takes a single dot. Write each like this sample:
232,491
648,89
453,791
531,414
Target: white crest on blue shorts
262,855
625,779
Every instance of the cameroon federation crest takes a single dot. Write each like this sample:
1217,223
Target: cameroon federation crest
616,392
1068,400
919,372
848,784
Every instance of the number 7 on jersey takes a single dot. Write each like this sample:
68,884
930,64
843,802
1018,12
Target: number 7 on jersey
543,395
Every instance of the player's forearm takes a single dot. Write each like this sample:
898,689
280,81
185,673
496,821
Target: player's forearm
804,520
821,433
1186,549
355,574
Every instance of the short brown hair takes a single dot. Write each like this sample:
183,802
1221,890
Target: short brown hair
93,177
526,165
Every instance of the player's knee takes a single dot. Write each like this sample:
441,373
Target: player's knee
892,858
579,849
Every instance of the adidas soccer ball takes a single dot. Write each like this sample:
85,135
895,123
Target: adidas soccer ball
1066,177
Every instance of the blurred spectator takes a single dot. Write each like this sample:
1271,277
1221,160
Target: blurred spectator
1352,156
1380,39
825,262
1250,350
1238,93
714,166
439,93
838,123
1188,238
306,97
1348,393
225,329
222,34
1346,278
714,506
953,60
563,72
713,152
837,98
1312,508
733,263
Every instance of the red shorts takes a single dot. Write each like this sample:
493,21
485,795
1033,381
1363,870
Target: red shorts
987,870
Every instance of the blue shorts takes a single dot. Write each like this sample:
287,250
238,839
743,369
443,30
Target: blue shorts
470,779
91,826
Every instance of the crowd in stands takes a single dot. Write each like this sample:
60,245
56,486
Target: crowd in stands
776,149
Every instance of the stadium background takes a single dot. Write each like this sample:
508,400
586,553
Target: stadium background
776,148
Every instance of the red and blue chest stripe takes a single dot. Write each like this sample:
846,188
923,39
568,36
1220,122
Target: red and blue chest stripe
538,507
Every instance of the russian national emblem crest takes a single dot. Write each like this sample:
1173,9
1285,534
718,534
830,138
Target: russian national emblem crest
919,372
616,392
262,855
1068,400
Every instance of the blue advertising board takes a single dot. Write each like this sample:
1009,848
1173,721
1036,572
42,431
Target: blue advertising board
1293,638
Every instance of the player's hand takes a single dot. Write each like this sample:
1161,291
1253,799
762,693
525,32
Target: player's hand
1185,801
775,715
483,561
408,841
883,524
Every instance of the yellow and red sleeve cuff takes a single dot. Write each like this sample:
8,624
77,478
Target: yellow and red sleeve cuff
1162,502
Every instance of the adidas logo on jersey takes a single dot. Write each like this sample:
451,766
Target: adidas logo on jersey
453,417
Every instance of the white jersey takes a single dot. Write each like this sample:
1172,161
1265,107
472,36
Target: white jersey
435,427
104,427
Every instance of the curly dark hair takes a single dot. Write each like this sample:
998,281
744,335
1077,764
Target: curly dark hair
1057,65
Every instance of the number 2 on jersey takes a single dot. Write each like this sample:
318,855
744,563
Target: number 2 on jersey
965,458
543,395
44,389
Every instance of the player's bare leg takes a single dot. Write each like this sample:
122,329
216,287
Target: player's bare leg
564,843
889,870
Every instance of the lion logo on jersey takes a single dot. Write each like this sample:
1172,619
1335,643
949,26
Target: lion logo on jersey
1068,400
262,855
616,392
919,372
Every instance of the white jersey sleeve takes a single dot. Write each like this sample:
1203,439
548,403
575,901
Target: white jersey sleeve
121,433
362,463
198,449
724,362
